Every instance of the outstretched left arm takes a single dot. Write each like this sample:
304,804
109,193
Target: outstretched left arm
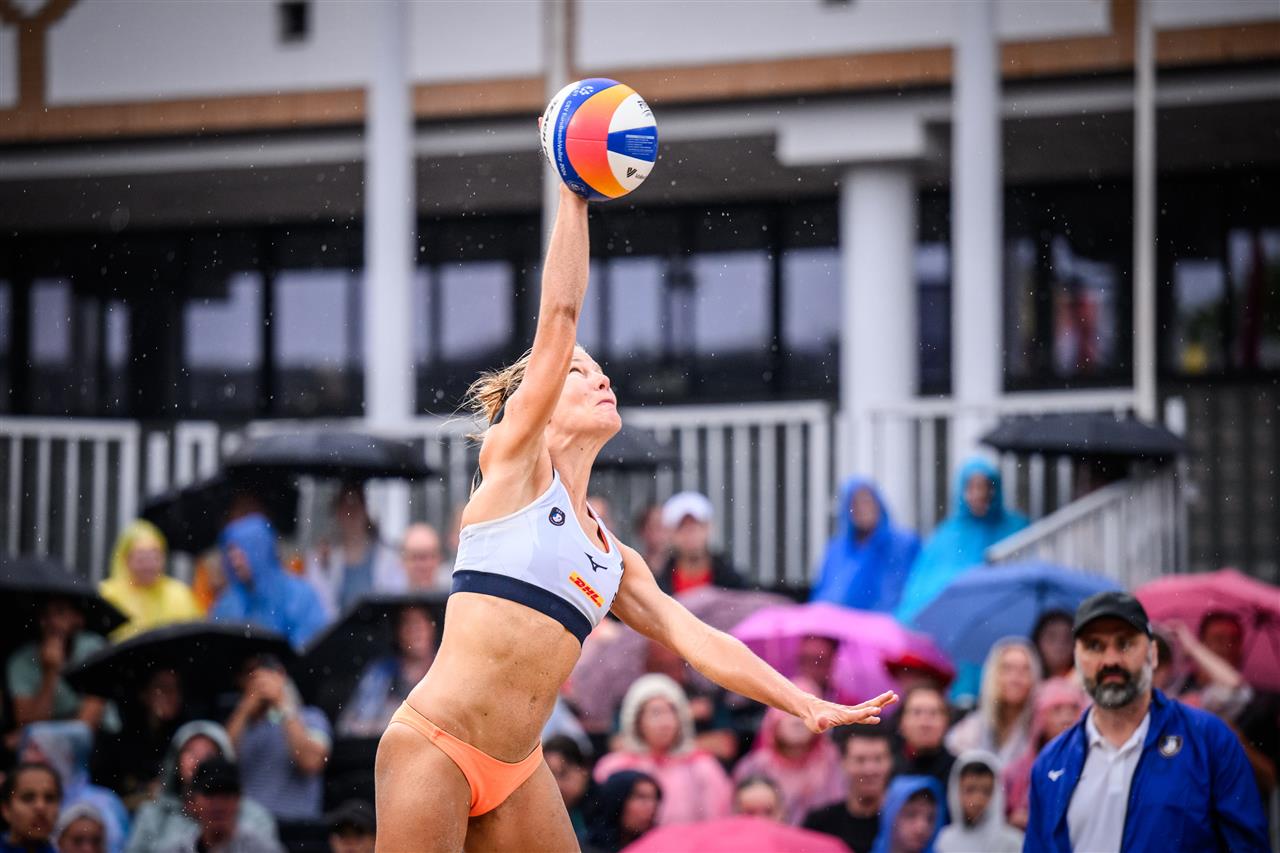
722,658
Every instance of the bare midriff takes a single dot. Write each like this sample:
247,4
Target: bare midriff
496,675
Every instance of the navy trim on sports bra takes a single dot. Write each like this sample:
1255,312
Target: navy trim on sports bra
531,596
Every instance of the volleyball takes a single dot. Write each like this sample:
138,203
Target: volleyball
601,138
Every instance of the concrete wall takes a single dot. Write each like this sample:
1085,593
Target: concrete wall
107,51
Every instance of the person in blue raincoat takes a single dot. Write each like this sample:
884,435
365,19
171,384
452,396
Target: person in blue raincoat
977,521
259,590
868,558
911,817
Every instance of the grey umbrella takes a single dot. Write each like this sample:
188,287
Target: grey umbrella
327,453
26,582
1085,434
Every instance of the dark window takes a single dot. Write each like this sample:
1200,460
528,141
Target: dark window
1067,293
315,326
295,21
1219,275
6,346
222,345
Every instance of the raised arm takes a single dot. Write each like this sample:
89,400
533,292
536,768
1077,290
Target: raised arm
722,658
564,285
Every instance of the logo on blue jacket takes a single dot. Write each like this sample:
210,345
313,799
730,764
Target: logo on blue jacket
1170,745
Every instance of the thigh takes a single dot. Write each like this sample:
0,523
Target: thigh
422,797
532,820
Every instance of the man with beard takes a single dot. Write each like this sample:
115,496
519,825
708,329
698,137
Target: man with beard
1139,771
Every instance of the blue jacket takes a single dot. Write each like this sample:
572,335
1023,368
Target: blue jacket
1193,789
866,574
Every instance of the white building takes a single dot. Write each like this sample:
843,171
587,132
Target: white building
182,220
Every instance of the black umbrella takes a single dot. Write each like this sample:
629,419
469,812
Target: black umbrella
635,449
1085,434
26,582
192,517
206,655
321,453
332,662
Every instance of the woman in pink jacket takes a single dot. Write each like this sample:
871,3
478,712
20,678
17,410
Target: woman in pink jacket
804,765
657,738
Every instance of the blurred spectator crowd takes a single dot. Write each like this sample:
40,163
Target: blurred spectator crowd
264,756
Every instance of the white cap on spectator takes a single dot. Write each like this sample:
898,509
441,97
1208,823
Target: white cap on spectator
684,504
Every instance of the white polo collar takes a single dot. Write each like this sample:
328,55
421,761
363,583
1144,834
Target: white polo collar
1135,740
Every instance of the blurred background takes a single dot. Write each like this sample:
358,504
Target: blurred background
252,253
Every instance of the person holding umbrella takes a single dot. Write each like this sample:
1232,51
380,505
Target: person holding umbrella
139,587
386,681
461,764
360,564
34,671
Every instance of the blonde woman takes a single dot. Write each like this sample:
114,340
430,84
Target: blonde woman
139,587
460,765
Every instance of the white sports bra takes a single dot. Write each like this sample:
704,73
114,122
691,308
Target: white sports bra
539,556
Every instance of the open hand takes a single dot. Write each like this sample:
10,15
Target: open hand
820,715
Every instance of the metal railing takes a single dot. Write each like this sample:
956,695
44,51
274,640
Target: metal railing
68,485
765,467
1131,531
1036,483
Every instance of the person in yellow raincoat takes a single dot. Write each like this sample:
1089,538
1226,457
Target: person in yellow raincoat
139,587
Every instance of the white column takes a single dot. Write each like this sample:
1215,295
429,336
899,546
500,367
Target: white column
1144,216
556,48
879,353
976,225
389,237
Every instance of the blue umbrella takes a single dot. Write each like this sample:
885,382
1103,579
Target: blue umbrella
986,604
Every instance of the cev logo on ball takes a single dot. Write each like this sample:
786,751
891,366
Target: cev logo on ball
586,90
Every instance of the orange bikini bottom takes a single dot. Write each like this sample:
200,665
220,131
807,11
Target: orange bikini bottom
491,780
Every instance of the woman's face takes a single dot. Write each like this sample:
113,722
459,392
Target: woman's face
641,809
864,511
793,733
194,751
758,800
1059,718
33,809
659,725
83,835
587,404
1014,678
415,633
145,560
163,695
349,509
1057,648
978,491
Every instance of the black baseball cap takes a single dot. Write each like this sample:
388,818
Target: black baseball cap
351,815
216,775
1114,605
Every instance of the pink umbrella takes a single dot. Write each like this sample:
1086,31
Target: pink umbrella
614,655
735,835
866,642
1187,598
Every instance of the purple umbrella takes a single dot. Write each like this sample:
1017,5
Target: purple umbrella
865,642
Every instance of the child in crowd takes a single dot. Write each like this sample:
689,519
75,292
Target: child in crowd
911,817
29,803
976,799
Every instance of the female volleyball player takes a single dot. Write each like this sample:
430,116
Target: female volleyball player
460,766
